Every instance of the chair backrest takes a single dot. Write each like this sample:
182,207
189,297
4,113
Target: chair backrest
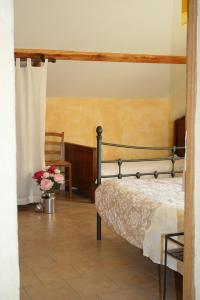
54,146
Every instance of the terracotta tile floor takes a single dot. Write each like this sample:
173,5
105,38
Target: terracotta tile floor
60,258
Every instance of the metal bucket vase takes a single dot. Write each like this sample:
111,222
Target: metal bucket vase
48,200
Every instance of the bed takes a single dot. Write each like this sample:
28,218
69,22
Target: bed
141,206
142,211
84,161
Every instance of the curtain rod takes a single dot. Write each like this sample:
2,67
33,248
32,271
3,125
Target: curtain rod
53,55
37,60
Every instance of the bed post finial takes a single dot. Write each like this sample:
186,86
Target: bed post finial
99,131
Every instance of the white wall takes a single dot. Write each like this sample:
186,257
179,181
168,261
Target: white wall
9,269
139,26
178,72
197,168
106,25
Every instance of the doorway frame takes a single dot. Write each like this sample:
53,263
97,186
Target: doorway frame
191,86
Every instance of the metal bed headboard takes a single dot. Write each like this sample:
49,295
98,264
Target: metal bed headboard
173,158
100,143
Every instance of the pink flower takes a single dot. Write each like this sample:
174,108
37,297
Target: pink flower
59,178
57,171
46,184
51,169
38,175
45,175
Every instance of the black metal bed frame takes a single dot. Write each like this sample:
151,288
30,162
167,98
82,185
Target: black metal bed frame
177,253
100,143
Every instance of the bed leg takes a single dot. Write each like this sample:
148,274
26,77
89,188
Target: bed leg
98,227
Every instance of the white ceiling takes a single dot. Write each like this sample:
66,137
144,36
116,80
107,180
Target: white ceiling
139,26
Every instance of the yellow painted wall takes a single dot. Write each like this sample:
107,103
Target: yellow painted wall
136,122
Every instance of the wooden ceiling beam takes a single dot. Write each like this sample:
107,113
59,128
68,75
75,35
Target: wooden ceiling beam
98,56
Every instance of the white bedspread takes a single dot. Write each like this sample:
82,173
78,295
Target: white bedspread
141,211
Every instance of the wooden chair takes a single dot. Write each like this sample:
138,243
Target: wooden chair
54,149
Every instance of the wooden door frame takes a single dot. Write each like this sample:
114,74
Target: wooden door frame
189,287
191,83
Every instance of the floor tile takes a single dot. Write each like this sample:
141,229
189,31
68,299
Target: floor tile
59,272
60,258
24,295
45,292
28,278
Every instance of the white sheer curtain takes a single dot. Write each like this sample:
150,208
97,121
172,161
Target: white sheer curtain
30,123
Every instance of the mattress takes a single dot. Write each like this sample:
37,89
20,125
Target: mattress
142,211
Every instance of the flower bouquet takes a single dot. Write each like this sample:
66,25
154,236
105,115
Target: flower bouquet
49,180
